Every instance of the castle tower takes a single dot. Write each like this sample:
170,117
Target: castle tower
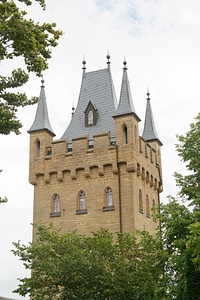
101,173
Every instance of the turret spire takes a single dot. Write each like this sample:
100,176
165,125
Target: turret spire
149,132
125,103
41,118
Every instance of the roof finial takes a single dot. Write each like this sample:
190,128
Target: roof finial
42,81
73,108
125,63
84,62
148,94
108,58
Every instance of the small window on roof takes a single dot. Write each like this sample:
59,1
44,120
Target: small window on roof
90,115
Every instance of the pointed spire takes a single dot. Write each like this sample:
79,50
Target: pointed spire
41,118
149,132
125,102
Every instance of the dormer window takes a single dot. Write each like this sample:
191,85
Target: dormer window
90,115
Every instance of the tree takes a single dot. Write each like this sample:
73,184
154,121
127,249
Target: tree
100,266
26,39
180,222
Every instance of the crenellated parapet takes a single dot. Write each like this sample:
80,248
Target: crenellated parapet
60,157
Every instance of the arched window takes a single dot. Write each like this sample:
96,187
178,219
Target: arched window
109,196
56,203
108,199
125,135
37,148
140,202
81,203
55,210
90,117
147,207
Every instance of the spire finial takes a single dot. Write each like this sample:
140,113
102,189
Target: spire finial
108,58
42,81
124,63
84,62
148,94
73,109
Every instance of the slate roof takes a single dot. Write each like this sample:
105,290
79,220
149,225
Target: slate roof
97,87
41,118
149,131
126,103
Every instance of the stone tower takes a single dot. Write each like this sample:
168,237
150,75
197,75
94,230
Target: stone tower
101,173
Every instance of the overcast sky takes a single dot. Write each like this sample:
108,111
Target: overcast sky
161,42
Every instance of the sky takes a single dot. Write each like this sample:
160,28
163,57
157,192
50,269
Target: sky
160,40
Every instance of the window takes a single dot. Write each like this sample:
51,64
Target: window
138,169
108,199
151,181
140,202
147,207
90,117
48,151
55,206
81,203
38,148
154,209
125,135
143,173
147,177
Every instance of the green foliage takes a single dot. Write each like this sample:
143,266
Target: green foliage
189,150
20,37
100,266
180,223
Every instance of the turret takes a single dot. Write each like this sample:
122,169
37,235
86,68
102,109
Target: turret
41,134
150,135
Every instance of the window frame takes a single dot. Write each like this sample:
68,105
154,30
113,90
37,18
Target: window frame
38,147
141,209
90,108
108,194
148,215
55,206
81,196
125,134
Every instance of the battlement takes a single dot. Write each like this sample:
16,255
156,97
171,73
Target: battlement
83,155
